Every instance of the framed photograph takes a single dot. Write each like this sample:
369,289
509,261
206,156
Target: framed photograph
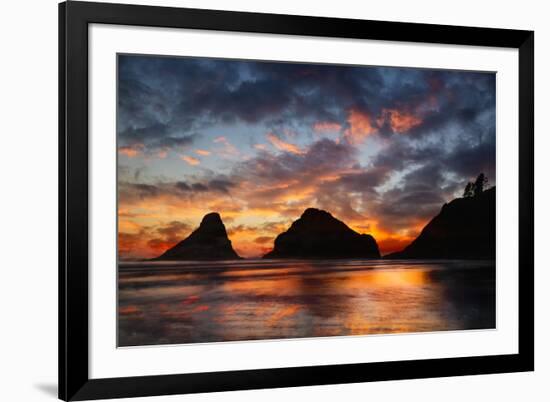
257,201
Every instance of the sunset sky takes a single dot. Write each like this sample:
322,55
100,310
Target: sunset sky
259,142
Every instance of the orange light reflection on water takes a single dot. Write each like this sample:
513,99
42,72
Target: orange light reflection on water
388,301
273,299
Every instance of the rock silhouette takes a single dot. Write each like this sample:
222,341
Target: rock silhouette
317,234
208,242
464,229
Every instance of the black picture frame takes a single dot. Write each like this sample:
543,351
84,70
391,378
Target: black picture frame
74,381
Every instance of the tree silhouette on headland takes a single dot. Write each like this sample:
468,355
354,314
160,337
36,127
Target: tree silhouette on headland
476,188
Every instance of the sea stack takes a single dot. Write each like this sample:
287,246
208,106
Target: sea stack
208,242
464,229
318,235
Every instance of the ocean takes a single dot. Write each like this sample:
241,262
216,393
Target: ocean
219,301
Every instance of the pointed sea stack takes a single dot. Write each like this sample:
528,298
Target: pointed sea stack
464,229
318,235
208,242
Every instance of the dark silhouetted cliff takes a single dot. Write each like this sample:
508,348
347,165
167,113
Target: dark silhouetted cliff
317,234
464,229
208,242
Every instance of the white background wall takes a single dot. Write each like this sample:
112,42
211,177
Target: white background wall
28,199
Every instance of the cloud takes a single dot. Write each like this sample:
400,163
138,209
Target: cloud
240,229
360,127
190,160
470,160
399,121
137,190
326,126
202,152
154,138
282,145
131,151
174,97
173,230
220,185
215,185
132,193
367,178
263,239
169,235
153,240
184,187
322,158
178,96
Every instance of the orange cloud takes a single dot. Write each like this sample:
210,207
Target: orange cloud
400,122
360,127
202,152
190,160
127,242
254,211
326,126
284,146
131,151
252,225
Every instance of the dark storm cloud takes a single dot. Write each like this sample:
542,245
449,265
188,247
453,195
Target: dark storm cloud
435,174
163,100
220,185
469,161
156,137
139,190
402,152
182,186
451,153
436,177
365,180
439,103
419,197
129,191
323,92
217,185
465,100
171,97
323,157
